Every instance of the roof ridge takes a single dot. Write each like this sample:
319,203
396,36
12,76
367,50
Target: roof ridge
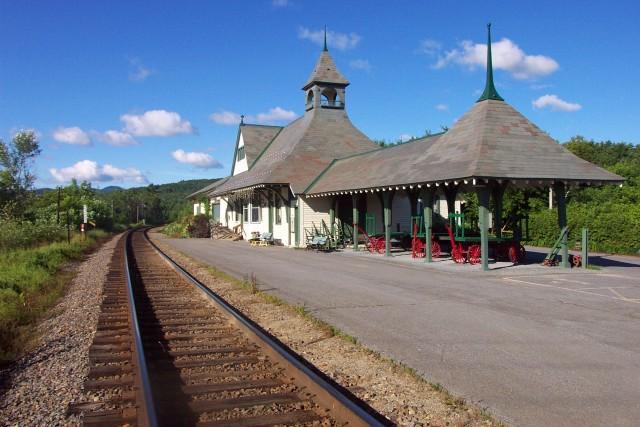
265,148
480,145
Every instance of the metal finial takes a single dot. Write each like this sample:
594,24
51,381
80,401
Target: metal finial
325,39
490,91
242,119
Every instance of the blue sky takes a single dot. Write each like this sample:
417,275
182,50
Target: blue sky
125,93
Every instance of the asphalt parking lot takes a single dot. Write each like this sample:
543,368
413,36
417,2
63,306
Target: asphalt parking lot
537,346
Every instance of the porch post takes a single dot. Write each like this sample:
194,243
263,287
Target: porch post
498,195
427,216
561,201
288,214
332,217
354,201
296,221
483,219
270,206
386,197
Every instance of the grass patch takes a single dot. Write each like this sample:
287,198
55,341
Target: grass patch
32,280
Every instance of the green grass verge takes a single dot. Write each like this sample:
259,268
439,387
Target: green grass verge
250,285
31,281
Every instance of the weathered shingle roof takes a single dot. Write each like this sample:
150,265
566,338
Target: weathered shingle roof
256,138
492,140
302,150
325,71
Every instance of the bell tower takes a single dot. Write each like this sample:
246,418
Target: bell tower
326,86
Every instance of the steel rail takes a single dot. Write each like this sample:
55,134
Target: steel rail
146,413
349,404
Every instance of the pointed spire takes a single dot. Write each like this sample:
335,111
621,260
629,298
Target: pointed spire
490,91
325,39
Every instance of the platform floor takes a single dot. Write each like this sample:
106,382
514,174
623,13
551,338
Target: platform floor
537,346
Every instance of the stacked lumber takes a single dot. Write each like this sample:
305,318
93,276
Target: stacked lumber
219,231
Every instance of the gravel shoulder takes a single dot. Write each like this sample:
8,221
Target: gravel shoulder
393,390
37,389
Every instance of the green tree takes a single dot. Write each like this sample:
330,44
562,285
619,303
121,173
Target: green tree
16,177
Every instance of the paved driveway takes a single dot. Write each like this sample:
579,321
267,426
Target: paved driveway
536,346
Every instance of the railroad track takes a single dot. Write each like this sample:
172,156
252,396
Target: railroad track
170,352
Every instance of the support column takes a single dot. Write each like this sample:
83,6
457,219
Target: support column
387,196
270,207
356,216
288,215
483,218
427,216
561,201
498,195
296,222
332,217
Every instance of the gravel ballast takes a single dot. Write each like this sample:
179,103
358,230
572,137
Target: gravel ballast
40,385
392,390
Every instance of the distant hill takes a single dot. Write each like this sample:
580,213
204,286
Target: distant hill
163,203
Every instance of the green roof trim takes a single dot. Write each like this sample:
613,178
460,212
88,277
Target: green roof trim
490,91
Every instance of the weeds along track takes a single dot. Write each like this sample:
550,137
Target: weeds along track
170,352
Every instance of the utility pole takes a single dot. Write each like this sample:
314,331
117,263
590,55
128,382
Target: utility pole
68,229
58,207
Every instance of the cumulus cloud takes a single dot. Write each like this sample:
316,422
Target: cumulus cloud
429,46
116,138
197,159
442,107
72,135
341,41
138,72
225,118
88,170
555,104
273,115
276,114
405,137
506,56
156,123
360,64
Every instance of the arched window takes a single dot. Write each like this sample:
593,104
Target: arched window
329,97
310,99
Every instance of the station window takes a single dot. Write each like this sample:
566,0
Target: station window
245,213
278,210
256,210
240,153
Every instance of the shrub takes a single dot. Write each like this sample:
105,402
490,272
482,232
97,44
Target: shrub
199,227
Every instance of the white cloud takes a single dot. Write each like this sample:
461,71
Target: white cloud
138,71
430,46
274,115
280,3
442,107
506,56
72,135
88,170
225,118
340,41
405,137
156,123
555,104
116,138
199,160
360,64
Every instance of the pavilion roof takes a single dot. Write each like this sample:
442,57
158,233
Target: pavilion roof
491,141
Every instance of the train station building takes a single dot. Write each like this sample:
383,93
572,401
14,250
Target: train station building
321,174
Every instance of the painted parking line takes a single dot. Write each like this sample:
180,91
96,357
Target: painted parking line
617,296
